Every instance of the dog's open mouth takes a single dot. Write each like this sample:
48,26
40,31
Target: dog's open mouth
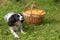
18,23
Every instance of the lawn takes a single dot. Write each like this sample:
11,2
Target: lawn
48,30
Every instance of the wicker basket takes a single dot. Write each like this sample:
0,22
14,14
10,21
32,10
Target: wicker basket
31,18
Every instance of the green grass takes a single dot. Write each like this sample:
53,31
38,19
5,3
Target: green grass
48,30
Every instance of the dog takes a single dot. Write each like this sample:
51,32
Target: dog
14,21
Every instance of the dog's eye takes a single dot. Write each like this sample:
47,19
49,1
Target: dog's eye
17,15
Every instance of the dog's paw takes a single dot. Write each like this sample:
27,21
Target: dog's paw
23,32
16,36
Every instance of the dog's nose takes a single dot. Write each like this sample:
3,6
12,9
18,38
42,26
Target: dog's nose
22,21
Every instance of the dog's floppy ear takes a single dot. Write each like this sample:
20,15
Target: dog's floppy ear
10,24
11,21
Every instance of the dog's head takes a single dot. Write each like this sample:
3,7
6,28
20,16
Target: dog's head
15,18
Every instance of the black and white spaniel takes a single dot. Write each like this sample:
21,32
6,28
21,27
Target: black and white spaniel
15,22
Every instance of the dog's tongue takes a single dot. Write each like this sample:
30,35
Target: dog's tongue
19,22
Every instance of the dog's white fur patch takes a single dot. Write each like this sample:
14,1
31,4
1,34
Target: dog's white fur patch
21,17
14,33
6,17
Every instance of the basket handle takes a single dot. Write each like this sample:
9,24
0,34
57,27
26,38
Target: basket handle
32,6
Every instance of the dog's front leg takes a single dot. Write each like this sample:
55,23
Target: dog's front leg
14,33
21,29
